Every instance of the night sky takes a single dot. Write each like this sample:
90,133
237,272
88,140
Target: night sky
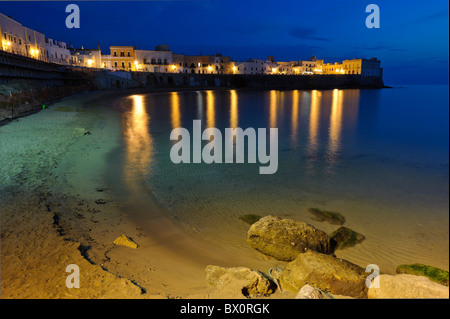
412,42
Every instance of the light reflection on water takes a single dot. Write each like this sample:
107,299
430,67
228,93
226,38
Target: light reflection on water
354,151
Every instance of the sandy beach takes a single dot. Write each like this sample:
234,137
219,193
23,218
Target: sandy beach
57,209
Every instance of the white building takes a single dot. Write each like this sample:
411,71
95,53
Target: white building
90,58
57,52
21,40
154,61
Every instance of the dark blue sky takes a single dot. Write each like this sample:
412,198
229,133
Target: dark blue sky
412,42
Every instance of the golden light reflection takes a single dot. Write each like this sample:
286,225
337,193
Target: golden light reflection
273,108
294,117
175,114
210,112
334,139
233,109
314,116
139,143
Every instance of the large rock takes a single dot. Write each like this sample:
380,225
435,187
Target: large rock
325,272
407,286
284,239
239,279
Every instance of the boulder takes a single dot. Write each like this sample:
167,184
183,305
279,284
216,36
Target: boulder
325,272
239,279
125,241
407,286
284,239
331,217
345,237
435,274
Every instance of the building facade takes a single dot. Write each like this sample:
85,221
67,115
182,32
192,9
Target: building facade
21,40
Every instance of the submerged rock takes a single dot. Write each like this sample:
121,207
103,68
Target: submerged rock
331,217
407,286
125,241
309,292
435,274
346,237
284,239
325,272
239,279
250,218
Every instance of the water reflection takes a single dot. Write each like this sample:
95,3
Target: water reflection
233,109
210,111
175,115
138,142
314,116
273,108
334,139
294,119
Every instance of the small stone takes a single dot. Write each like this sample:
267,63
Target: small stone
346,237
309,292
331,217
250,218
125,241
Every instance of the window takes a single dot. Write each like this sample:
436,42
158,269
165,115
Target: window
122,53
123,65
165,61
129,64
114,53
115,64
128,54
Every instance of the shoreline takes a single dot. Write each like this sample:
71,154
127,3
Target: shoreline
70,209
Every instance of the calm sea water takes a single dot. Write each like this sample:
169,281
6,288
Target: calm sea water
379,157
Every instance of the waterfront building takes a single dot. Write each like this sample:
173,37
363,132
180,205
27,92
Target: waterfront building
120,58
57,52
89,58
21,40
159,60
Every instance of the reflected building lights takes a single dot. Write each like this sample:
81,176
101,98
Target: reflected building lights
139,143
273,108
175,114
210,111
334,139
294,119
233,109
